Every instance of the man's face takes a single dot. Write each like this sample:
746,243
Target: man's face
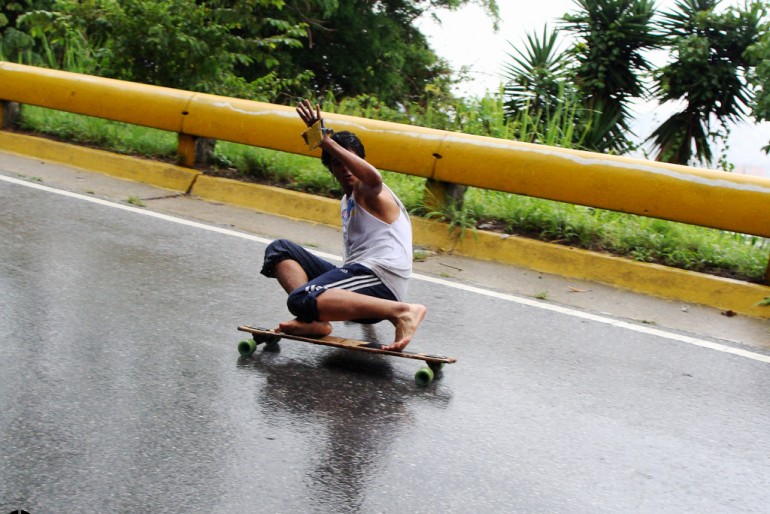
346,179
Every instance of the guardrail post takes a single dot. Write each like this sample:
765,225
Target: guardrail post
193,151
9,114
443,197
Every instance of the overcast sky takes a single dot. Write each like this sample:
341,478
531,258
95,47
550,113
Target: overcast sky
466,38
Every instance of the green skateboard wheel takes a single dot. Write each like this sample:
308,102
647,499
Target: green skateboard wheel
424,376
247,347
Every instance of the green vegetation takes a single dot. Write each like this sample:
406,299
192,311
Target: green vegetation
268,50
88,131
716,73
610,62
759,77
708,75
135,200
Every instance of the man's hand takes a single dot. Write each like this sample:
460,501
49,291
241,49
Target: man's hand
305,111
316,131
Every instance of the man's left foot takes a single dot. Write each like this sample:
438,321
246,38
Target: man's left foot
406,326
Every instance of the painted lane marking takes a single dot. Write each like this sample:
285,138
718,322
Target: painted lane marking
425,278
602,319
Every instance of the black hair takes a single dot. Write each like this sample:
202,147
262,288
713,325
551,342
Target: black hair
346,140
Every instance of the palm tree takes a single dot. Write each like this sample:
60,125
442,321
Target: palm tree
613,36
760,77
539,92
708,74
536,74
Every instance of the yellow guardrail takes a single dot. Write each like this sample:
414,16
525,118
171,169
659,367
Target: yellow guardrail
678,193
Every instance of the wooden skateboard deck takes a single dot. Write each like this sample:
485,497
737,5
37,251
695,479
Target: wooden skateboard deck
423,377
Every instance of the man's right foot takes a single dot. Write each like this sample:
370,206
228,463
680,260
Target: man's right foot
298,328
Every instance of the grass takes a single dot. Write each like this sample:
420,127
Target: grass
639,238
114,135
643,239
134,200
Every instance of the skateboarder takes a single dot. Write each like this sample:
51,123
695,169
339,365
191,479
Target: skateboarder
371,284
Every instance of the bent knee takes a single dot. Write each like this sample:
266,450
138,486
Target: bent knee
302,303
275,252
278,245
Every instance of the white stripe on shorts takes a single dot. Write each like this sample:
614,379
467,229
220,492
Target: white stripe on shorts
363,285
354,283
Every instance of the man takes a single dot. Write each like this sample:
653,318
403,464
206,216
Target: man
371,284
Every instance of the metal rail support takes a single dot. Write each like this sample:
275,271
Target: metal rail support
9,114
193,151
443,197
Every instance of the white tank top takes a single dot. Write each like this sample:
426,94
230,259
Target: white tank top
384,248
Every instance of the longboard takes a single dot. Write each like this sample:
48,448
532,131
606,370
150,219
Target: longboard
424,376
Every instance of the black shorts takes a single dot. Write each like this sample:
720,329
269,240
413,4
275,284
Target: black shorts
322,275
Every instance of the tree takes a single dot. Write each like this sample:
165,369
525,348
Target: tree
273,50
359,47
708,74
197,46
613,36
536,74
540,92
17,45
176,43
759,76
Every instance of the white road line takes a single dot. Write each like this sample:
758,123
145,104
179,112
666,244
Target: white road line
471,289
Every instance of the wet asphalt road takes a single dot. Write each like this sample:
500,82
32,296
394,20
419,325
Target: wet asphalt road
122,391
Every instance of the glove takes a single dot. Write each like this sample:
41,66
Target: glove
315,134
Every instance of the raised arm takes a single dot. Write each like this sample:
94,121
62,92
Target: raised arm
370,178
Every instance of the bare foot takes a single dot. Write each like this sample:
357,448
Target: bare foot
298,328
406,325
